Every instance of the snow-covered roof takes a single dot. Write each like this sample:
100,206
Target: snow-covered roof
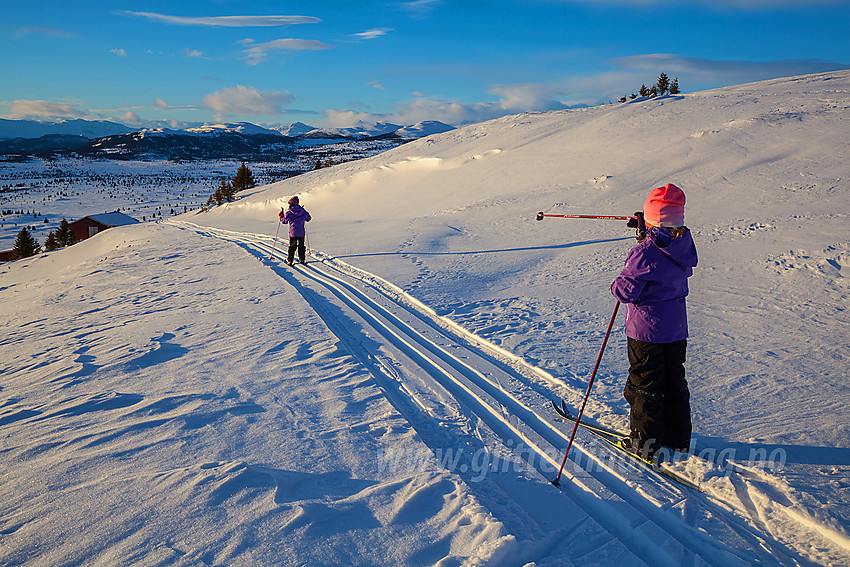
114,219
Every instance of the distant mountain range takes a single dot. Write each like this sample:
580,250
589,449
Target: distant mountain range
103,139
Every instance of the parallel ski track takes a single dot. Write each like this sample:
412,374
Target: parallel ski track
636,508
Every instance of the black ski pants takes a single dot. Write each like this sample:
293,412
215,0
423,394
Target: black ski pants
658,395
297,242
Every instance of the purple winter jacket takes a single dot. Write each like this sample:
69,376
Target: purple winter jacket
296,216
654,284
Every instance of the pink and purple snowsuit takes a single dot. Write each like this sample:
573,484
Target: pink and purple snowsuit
653,285
296,217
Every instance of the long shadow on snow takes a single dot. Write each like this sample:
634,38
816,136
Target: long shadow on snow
498,251
774,454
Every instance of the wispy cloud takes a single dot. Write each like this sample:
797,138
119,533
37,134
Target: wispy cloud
724,72
195,53
246,101
118,52
257,52
36,109
53,32
419,8
373,33
160,104
225,21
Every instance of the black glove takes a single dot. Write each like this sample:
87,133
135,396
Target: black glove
638,224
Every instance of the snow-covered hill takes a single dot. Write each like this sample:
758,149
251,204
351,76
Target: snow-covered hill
90,129
423,129
227,140
175,394
238,127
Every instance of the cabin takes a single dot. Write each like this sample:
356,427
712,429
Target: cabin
88,226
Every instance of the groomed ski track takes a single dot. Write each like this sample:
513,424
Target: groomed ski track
467,398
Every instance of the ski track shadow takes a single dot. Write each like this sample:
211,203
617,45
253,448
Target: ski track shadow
791,454
497,251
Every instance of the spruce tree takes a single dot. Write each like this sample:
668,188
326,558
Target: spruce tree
52,243
64,234
674,86
244,179
26,245
644,91
228,191
663,84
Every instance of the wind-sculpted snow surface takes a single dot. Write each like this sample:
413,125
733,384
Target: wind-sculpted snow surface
177,394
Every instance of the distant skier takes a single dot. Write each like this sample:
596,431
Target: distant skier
296,217
653,285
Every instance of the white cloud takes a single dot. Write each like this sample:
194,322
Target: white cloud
376,85
531,96
36,109
195,53
246,101
53,32
129,118
419,8
424,108
512,99
226,21
373,33
257,52
118,52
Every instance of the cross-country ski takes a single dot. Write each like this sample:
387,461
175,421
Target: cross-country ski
614,440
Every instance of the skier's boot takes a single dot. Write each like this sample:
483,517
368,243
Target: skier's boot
642,450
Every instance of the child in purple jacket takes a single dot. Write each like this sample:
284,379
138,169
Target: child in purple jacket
296,216
653,285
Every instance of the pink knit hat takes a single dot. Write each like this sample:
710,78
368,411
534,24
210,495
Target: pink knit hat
665,206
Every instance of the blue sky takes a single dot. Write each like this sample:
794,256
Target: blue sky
332,63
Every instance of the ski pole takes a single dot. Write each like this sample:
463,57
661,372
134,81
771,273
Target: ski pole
274,246
541,216
635,221
556,482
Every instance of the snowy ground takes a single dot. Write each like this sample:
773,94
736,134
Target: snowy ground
173,393
39,193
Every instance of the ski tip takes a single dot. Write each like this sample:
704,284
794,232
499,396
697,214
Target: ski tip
561,408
